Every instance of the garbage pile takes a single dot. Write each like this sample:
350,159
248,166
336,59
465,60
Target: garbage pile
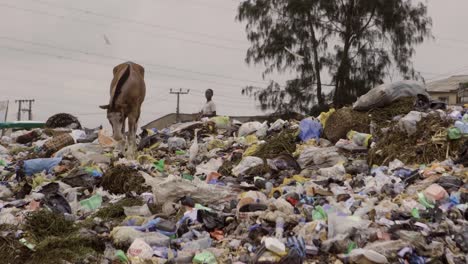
391,188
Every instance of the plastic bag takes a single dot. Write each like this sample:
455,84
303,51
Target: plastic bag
262,130
125,235
463,126
172,188
222,122
342,225
34,166
323,117
175,143
246,164
385,94
455,133
360,139
360,255
278,125
249,128
212,165
205,257
408,123
105,139
92,203
320,157
310,129
140,248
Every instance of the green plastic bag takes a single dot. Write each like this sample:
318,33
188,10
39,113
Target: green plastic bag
319,213
454,133
423,201
415,213
160,165
92,203
187,177
2,163
205,257
121,256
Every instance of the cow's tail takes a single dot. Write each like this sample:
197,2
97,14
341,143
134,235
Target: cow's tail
120,83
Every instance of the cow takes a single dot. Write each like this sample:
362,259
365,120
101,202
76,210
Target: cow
127,93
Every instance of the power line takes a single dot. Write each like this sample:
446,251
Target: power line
134,21
119,30
125,59
108,65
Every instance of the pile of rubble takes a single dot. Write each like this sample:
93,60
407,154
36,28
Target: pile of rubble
391,188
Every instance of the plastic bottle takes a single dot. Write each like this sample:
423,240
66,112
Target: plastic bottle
268,187
279,227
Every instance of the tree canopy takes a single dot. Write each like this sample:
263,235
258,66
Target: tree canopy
355,42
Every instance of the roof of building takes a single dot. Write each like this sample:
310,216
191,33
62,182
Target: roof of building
447,85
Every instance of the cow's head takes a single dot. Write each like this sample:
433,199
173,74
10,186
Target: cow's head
116,119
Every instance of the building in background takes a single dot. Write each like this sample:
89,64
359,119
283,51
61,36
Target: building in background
453,90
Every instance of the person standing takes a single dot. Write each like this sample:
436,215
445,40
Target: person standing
209,109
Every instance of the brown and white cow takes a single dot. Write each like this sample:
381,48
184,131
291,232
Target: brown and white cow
127,93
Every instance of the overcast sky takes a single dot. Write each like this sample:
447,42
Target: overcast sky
61,53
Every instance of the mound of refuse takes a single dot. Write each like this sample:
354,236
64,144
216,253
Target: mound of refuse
385,184
342,121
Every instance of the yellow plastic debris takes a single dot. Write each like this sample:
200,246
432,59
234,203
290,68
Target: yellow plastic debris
323,117
250,150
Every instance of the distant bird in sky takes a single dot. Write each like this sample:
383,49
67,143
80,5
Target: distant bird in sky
106,39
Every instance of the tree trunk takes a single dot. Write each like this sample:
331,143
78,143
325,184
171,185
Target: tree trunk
315,46
342,76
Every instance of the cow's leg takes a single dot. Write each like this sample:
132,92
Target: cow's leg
132,127
121,144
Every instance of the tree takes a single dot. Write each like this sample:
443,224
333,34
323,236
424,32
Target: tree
286,36
369,36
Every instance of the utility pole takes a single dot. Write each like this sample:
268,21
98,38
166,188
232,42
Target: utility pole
178,93
29,109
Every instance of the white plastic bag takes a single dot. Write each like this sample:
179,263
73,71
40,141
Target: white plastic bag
212,165
140,248
385,94
249,128
278,125
409,122
262,131
246,164
175,143
320,157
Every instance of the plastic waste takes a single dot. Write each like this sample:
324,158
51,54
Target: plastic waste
212,165
279,230
385,94
205,257
125,235
222,122
176,143
435,193
139,248
408,123
105,139
249,128
310,129
274,245
278,125
342,224
454,133
92,203
262,130
360,139
137,210
34,166
315,157
246,164
323,117
360,255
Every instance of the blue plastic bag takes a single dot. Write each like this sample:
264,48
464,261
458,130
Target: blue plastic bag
310,129
34,166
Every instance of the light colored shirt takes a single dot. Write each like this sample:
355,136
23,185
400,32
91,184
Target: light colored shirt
209,108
